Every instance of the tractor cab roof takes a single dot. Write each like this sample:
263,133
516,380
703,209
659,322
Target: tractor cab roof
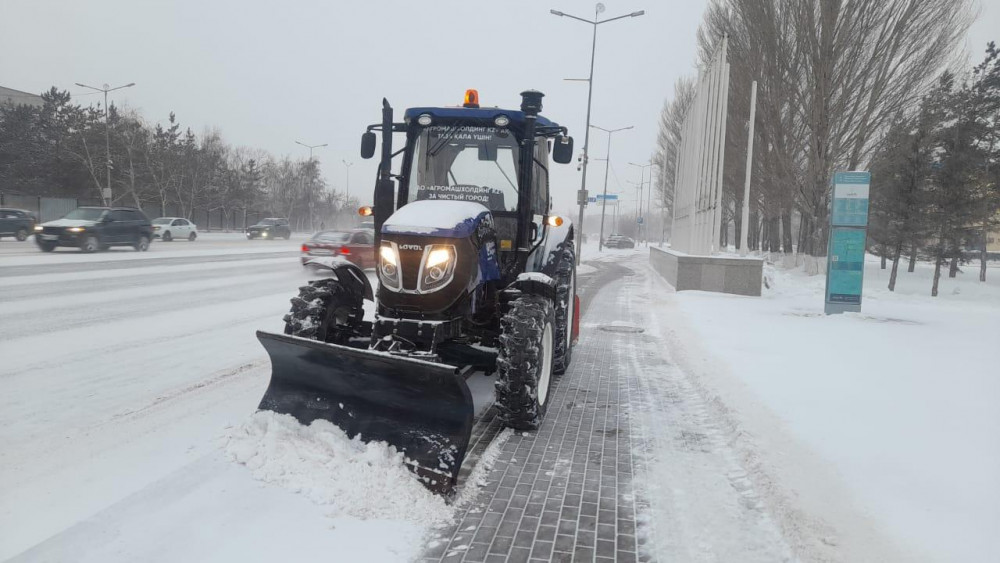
486,116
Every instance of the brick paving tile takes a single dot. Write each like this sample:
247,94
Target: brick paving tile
565,491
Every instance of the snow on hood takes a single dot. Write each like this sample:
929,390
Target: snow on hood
69,223
436,217
366,481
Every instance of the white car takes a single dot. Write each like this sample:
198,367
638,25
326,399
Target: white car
171,228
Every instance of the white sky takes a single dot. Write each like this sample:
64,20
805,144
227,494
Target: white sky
268,74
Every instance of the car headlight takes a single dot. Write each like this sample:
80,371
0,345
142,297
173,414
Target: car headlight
75,229
263,234
388,266
438,267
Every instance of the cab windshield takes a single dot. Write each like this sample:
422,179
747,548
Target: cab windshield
465,163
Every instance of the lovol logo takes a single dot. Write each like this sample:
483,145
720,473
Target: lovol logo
410,247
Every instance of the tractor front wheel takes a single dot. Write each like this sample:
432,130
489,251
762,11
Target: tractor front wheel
325,310
524,362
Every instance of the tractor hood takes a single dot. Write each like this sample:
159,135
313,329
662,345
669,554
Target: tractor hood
437,218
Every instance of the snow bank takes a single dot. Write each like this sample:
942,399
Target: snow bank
364,481
900,399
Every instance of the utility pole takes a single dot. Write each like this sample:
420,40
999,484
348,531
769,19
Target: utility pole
581,196
607,165
745,217
312,227
347,190
106,195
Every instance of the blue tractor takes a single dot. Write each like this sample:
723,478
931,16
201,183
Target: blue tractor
476,278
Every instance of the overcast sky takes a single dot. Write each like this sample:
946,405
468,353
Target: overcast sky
268,74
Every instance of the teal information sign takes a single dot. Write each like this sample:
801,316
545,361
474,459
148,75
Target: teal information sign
850,199
845,266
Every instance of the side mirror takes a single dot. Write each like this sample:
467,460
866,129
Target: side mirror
368,144
562,151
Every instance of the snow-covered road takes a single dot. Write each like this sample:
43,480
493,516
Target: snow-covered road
120,368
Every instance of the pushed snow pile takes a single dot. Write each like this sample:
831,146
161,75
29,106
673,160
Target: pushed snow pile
366,481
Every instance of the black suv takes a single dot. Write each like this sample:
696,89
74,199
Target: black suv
16,223
96,228
272,228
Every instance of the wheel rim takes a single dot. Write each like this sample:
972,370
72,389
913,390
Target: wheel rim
90,245
546,373
22,234
167,236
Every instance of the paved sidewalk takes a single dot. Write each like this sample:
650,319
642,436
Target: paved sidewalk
565,492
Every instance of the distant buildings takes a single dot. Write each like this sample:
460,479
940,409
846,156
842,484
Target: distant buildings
17,97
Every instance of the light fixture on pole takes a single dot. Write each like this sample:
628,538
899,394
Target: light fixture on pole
581,196
642,175
106,193
607,165
312,227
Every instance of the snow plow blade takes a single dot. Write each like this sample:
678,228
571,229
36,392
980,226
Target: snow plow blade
422,408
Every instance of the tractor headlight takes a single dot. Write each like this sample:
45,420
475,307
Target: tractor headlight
388,266
438,267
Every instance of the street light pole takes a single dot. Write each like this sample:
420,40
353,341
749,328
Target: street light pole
590,93
107,134
642,177
312,227
607,166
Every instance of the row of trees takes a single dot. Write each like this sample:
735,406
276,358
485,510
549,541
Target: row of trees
58,150
833,79
938,172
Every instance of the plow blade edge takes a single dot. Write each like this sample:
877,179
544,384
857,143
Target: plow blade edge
422,408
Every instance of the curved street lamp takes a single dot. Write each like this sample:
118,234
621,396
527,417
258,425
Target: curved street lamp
590,91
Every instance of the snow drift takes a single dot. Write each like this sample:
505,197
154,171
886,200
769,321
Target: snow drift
353,478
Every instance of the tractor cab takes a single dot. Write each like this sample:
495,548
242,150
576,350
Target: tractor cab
492,156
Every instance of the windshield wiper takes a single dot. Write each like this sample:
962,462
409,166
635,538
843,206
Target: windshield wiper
445,137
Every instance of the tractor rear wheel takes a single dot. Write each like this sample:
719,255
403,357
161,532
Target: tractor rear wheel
565,308
325,310
524,362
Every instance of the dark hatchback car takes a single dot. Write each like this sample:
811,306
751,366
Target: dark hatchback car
96,228
357,246
272,228
16,223
619,241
